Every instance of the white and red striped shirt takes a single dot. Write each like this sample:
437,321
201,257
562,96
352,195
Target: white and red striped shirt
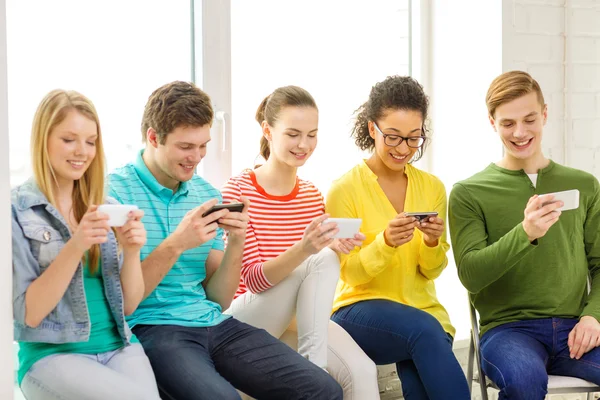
276,223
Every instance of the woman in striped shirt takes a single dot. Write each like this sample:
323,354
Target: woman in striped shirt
290,268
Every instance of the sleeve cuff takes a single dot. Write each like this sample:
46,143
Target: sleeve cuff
431,257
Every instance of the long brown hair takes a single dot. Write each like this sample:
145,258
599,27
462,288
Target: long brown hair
90,188
271,106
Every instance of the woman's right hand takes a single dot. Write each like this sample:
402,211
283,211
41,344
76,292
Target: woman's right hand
400,230
317,235
93,229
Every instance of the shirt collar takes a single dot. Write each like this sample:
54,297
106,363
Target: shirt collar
150,181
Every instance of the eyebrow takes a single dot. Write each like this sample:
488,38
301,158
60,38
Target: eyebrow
531,114
94,136
192,144
299,131
397,130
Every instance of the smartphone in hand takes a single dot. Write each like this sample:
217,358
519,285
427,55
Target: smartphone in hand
233,207
422,215
570,199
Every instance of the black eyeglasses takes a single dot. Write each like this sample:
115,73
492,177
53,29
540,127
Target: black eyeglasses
395,140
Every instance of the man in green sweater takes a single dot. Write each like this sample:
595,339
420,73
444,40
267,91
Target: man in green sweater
524,262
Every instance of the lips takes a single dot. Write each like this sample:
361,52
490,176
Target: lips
523,144
76,163
299,156
398,157
188,167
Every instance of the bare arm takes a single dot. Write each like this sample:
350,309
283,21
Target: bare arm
156,266
278,268
44,293
223,269
132,236
193,230
223,274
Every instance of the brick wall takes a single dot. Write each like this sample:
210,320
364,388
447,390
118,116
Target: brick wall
558,42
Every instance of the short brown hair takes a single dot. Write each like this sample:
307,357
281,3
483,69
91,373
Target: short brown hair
270,108
176,104
510,86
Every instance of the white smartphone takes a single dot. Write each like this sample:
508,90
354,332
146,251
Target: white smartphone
348,227
117,213
570,198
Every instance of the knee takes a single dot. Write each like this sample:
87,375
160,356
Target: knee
326,261
322,387
330,390
521,382
432,332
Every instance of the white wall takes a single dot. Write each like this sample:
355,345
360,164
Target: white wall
6,329
558,43
466,40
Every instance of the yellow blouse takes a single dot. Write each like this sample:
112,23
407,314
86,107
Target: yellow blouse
403,274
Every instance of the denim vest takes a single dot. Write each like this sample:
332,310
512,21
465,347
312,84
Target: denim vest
39,233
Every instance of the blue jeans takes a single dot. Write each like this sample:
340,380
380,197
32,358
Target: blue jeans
390,332
210,363
519,356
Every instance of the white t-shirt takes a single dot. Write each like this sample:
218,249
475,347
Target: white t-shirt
533,178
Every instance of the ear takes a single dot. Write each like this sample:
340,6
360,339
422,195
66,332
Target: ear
152,137
492,122
266,129
545,113
371,128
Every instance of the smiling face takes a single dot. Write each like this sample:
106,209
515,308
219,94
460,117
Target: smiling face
520,123
72,147
406,123
176,159
293,136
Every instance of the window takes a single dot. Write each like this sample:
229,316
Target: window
114,52
336,50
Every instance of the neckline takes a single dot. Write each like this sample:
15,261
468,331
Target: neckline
290,196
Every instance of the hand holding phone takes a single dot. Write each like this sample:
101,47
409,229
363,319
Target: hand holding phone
117,213
541,212
235,222
232,207
318,235
400,230
431,225
570,199
347,227
420,216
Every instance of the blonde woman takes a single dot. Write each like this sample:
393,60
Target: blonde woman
73,283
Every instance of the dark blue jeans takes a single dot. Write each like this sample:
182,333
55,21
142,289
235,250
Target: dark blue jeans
390,332
209,363
519,356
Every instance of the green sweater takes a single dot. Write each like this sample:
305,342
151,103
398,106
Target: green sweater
510,279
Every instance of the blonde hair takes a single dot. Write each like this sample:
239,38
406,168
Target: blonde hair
510,86
90,188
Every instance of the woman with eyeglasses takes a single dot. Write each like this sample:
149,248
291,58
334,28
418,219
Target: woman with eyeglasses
386,297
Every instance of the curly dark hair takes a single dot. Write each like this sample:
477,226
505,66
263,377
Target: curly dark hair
393,93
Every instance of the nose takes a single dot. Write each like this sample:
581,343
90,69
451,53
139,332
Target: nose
303,143
80,148
403,146
520,131
197,155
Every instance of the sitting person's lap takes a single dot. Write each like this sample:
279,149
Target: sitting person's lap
519,356
212,362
